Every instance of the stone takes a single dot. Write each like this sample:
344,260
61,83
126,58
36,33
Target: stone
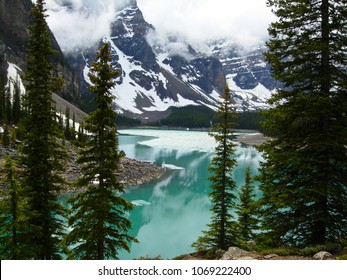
133,173
189,258
220,252
323,255
251,245
235,253
271,256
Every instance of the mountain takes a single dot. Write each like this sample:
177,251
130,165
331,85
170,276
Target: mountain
152,79
14,35
156,75
248,75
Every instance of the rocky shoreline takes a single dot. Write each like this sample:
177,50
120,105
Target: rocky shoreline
252,139
132,173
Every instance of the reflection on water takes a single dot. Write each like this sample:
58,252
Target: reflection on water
172,211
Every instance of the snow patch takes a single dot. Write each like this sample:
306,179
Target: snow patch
172,166
140,202
179,140
14,79
256,98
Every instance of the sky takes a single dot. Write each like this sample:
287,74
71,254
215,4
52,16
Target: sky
195,21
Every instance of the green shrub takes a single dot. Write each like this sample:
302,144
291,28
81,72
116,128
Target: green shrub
312,250
281,251
343,257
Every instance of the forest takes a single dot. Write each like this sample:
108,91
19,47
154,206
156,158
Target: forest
303,178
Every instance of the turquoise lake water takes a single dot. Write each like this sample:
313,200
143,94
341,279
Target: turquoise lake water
172,211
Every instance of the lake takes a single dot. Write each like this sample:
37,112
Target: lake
172,211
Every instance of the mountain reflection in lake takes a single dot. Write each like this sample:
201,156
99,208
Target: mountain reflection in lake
172,211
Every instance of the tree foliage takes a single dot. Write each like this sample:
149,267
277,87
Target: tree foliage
189,116
13,216
304,175
98,215
16,106
247,209
222,230
2,104
5,140
42,152
67,131
10,103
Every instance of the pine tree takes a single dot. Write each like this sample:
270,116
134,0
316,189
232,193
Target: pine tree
304,175
73,129
20,131
8,106
98,215
13,216
42,152
60,121
81,137
246,210
67,123
6,139
222,231
2,104
16,107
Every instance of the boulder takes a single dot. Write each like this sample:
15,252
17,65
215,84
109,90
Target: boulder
323,255
235,253
271,256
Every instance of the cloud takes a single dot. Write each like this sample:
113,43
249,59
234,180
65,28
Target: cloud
198,21
80,23
171,44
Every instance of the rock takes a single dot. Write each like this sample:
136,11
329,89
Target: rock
323,255
235,253
131,173
186,257
251,245
134,173
219,253
271,256
189,258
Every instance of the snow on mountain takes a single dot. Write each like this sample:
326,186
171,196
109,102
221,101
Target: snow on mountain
14,79
157,74
249,100
248,75
132,91
153,80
